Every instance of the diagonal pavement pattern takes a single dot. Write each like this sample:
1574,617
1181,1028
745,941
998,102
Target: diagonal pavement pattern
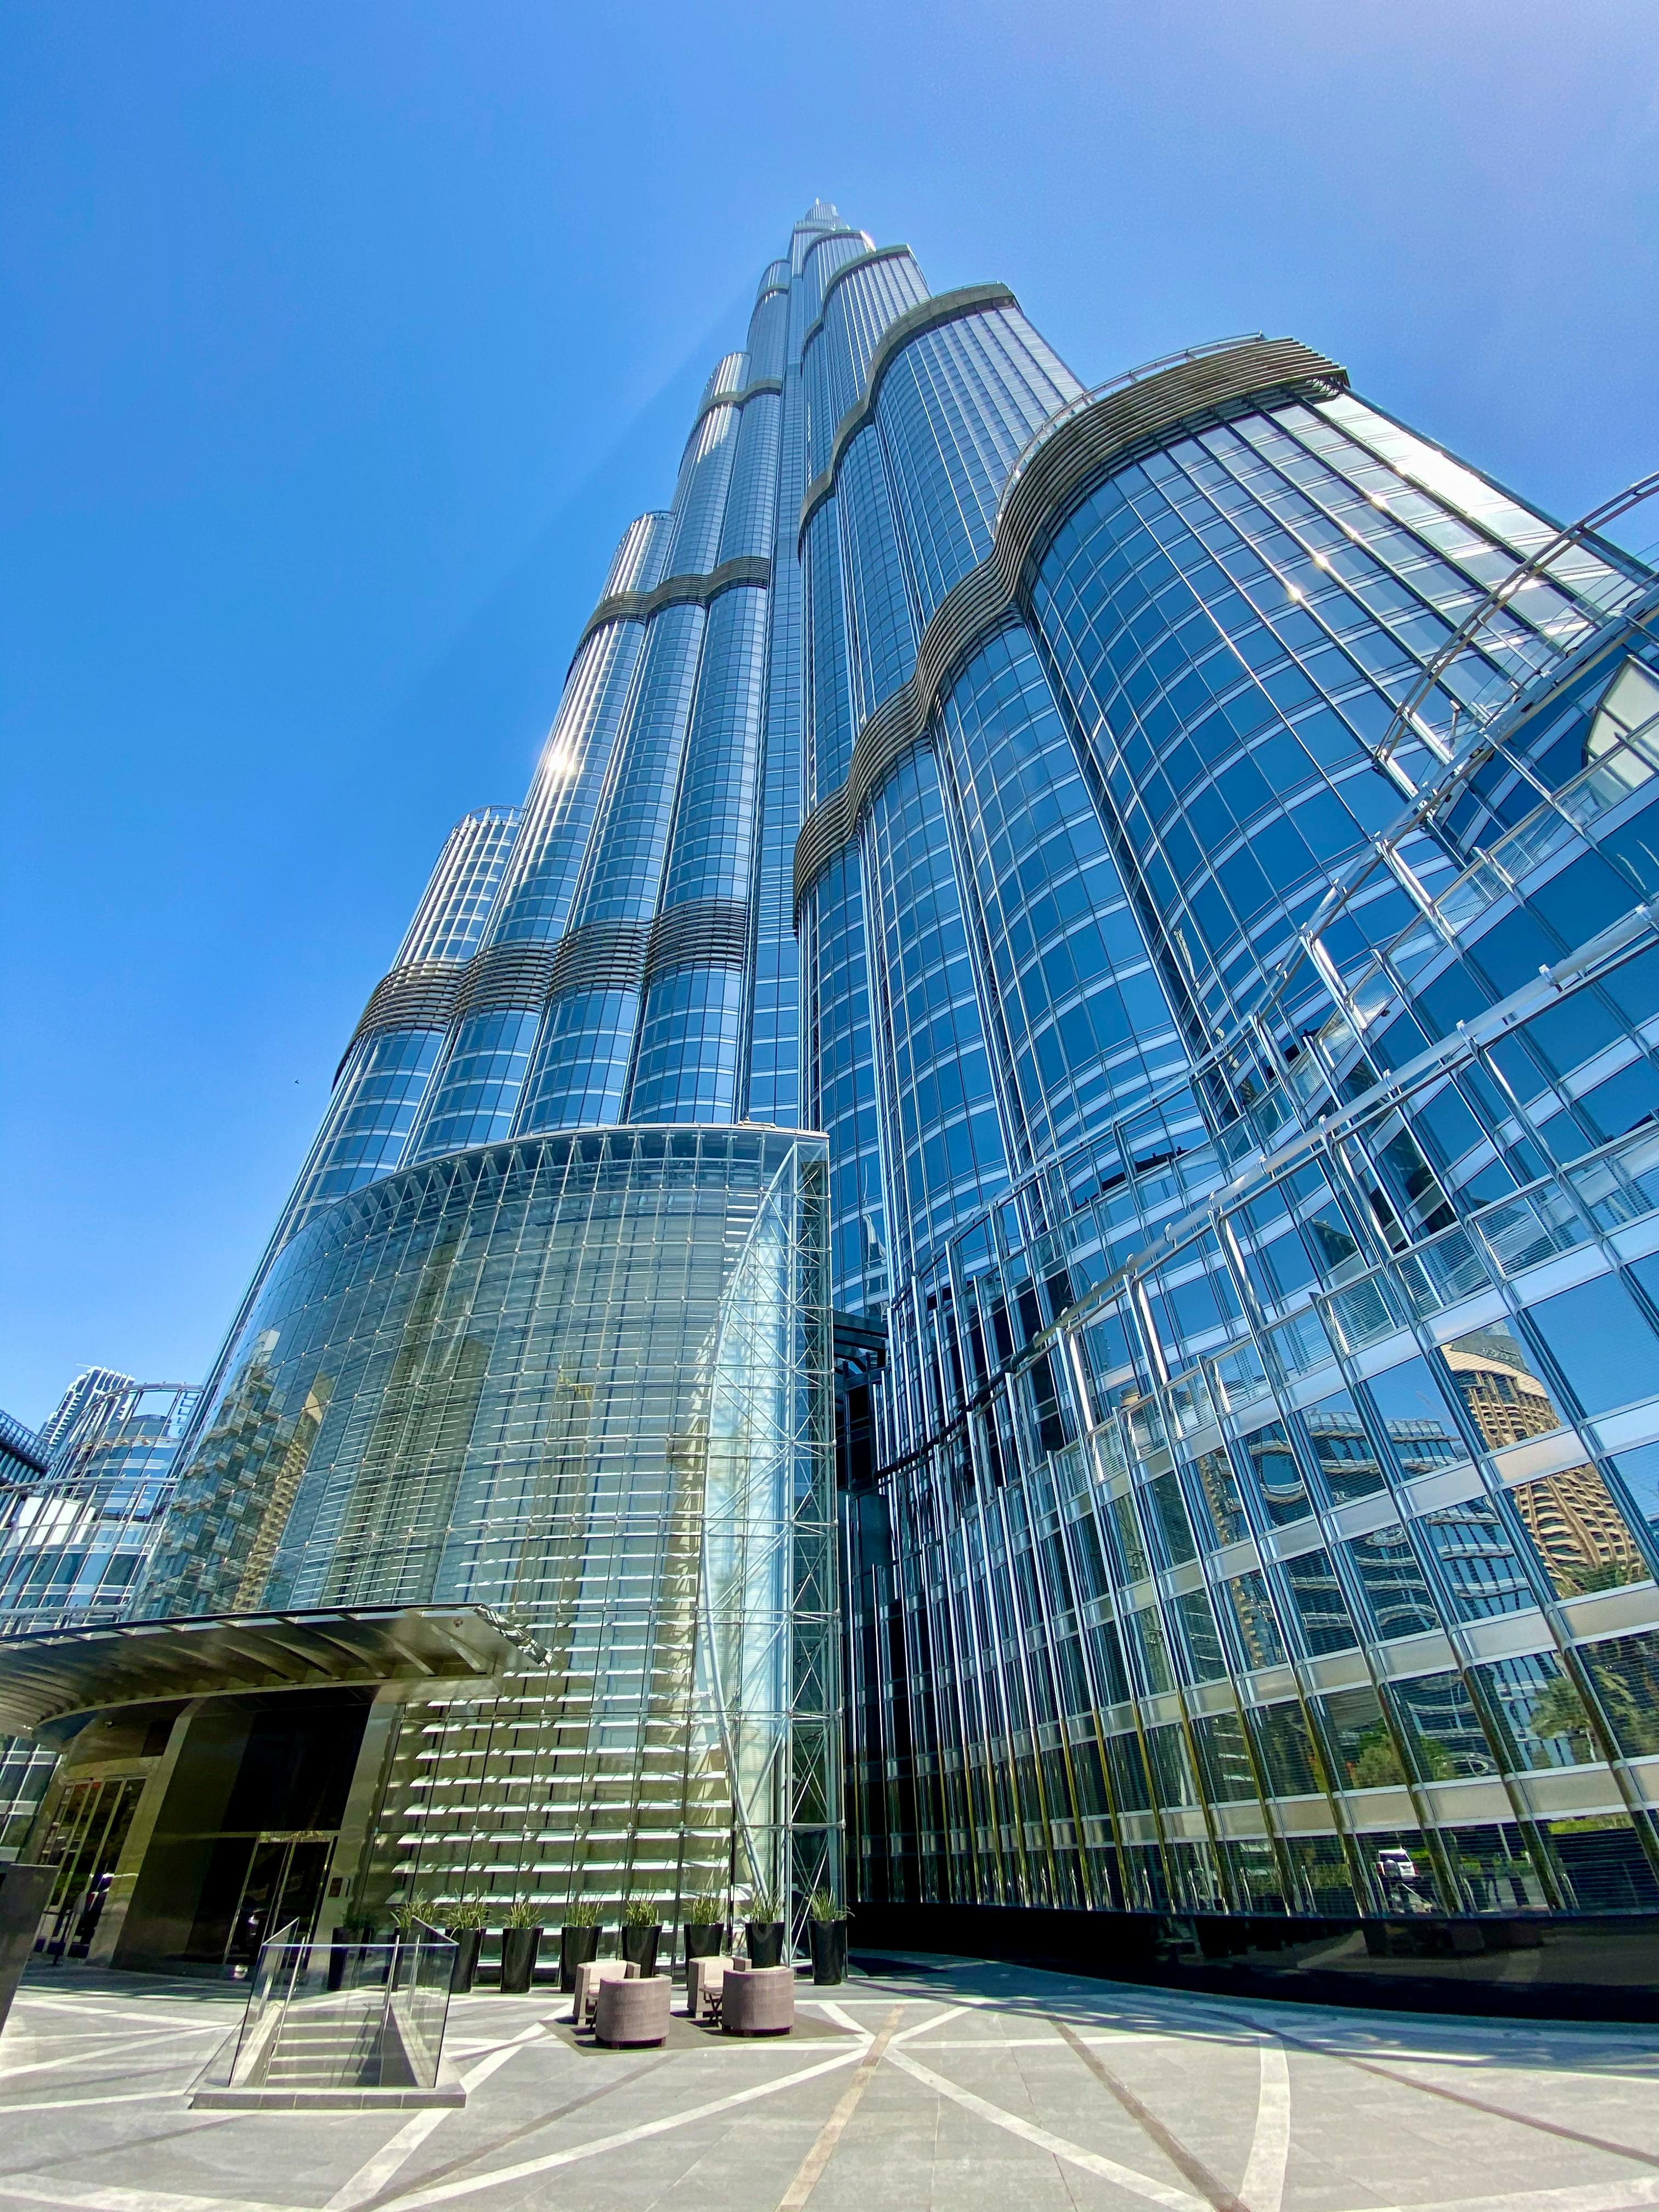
922,2083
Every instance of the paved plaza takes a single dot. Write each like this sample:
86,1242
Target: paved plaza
921,2084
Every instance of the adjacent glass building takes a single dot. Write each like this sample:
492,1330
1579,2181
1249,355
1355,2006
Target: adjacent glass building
1140,899
80,1505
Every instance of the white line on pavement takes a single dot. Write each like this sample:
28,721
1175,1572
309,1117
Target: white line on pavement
77,2058
372,2177
76,2104
416,2199
1263,2186
1592,2197
1107,2169
104,2198
951,2012
27,2003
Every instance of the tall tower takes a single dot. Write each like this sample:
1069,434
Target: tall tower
1141,900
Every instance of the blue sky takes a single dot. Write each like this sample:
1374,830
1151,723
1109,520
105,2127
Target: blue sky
344,339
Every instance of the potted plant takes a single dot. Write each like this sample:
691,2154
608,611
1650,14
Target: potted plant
705,1928
521,1937
579,1942
765,1930
641,1932
467,1928
827,1926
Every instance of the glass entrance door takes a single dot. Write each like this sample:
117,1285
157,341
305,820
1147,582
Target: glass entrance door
86,1842
283,1883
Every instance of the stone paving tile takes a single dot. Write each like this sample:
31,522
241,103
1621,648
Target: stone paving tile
1365,2129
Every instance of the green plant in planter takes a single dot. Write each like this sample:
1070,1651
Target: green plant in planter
763,1908
584,1913
519,1914
703,1911
824,1908
471,1912
640,1912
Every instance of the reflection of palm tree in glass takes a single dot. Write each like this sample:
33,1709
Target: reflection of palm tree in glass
1375,1761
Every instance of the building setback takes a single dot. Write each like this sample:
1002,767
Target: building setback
1138,901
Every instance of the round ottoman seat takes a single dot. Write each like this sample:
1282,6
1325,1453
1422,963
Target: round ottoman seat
632,2013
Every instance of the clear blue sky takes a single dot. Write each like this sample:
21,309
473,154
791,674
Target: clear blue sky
343,338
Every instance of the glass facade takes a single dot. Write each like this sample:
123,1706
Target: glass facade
80,1507
582,1380
1187,847
1255,912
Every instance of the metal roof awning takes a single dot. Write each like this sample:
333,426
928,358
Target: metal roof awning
60,1675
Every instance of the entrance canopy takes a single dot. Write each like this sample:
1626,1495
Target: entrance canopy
50,1683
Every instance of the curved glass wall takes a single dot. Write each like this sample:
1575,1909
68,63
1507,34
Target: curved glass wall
1268,1524
1189,847
583,1379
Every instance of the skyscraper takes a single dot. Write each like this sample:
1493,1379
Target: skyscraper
1139,899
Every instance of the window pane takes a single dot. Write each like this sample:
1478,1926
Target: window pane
1625,1672
1601,1342
1479,1566
1258,1629
1327,1624
1392,1582
1578,1533
1542,1712
1277,1479
1444,1739
1286,1749
1495,1378
1367,1757
1416,1419
1215,1491
1342,1450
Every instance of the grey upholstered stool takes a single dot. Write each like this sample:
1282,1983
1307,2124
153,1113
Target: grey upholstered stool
758,2001
590,1975
630,2013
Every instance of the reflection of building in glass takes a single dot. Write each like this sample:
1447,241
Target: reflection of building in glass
1505,1401
1172,903
77,1516
1582,1536
505,1520
72,1546
23,1769
1130,825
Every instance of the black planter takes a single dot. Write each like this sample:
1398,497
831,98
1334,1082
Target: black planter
829,1950
765,1942
518,1949
340,1953
704,1939
639,1944
464,1967
578,1947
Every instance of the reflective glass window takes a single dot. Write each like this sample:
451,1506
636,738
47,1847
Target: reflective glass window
1443,1733
1543,1714
1320,1607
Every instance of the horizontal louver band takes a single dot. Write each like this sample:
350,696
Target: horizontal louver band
710,932
750,568
1084,443
600,956
505,975
420,996
925,315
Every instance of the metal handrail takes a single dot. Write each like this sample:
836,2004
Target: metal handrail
1525,572
1125,378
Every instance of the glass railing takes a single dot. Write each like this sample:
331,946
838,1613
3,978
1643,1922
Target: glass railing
345,2015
